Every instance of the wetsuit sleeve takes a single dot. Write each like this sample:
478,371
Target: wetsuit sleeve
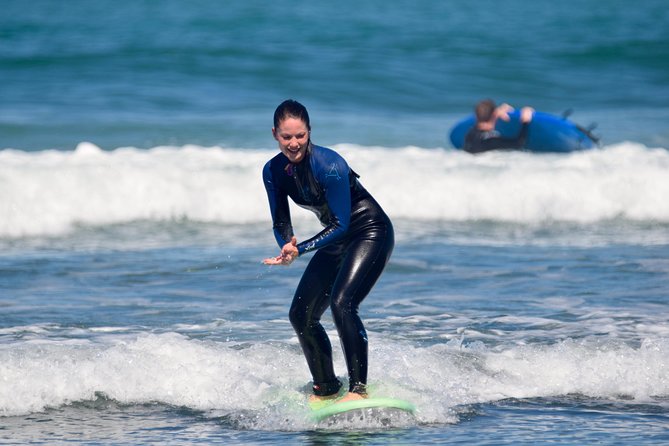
519,141
279,208
333,175
475,144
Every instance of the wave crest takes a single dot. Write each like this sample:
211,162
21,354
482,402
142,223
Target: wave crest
50,192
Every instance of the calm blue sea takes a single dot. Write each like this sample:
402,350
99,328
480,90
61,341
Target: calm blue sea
527,298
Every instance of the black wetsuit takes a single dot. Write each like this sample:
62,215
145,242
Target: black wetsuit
477,141
352,251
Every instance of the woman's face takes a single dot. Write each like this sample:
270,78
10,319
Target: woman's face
293,138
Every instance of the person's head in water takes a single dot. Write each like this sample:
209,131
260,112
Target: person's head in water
485,110
292,129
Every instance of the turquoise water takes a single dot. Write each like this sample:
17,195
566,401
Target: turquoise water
526,300
145,73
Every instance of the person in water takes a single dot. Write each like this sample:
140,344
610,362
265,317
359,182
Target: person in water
350,252
483,136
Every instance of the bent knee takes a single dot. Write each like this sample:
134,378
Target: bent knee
342,309
297,317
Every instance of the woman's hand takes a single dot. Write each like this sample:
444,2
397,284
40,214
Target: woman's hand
289,253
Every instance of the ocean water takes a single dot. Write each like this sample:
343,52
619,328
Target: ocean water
526,300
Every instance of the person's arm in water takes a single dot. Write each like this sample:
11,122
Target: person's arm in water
526,114
518,142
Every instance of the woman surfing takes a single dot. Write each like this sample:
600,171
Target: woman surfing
351,251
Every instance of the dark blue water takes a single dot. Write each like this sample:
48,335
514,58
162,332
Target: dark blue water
146,74
526,300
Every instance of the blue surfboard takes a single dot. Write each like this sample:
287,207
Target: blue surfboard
547,133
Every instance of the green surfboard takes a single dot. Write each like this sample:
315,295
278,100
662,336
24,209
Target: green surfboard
333,408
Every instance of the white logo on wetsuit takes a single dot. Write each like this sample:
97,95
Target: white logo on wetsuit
490,134
333,172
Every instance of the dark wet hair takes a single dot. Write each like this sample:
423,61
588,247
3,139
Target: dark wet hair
291,109
484,110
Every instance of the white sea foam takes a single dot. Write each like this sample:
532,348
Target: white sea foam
50,192
264,383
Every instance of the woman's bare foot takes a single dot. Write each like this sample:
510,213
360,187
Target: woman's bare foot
351,396
317,399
